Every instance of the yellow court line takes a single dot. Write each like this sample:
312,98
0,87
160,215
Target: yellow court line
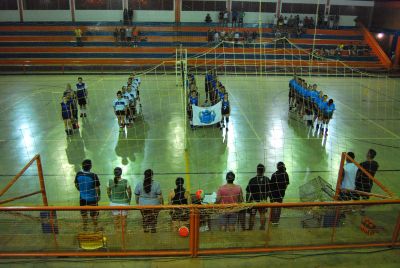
373,122
187,169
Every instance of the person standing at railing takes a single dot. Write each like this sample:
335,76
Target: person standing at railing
120,194
229,193
179,196
256,191
88,185
277,189
363,182
148,193
349,178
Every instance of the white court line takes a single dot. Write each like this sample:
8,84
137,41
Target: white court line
373,122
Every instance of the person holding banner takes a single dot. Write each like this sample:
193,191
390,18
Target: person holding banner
193,100
225,111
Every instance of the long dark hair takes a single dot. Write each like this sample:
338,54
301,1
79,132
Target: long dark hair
148,178
117,174
179,185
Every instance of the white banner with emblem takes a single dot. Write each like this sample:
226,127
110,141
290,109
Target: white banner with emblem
205,116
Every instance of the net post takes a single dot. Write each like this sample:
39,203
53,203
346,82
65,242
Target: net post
41,179
396,231
340,176
194,221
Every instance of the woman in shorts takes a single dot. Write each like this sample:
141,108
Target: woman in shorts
120,106
66,114
120,194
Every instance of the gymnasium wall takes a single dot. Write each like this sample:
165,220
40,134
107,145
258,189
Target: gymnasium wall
391,18
191,10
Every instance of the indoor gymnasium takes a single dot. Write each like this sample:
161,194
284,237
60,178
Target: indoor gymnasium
160,133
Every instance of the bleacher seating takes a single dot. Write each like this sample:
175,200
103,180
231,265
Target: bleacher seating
41,46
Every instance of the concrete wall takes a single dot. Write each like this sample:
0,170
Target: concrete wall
9,15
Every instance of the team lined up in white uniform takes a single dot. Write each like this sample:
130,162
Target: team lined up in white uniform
127,104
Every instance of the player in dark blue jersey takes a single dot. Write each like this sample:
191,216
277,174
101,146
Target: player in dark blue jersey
193,100
66,114
81,94
225,111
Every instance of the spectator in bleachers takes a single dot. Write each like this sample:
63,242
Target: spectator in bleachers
130,16
234,18
116,35
237,37
326,21
227,194
128,33
122,35
241,18
222,35
336,19
148,193
285,21
221,18
226,18
208,18
210,35
179,196
216,37
291,21
275,22
136,36
125,17
254,36
78,37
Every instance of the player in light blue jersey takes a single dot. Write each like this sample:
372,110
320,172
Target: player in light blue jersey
328,110
120,105
321,106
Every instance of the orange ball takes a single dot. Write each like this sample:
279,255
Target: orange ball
183,231
200,194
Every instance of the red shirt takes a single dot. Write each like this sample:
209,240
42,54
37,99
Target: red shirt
229,193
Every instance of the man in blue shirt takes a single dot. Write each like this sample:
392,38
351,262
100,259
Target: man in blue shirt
88,185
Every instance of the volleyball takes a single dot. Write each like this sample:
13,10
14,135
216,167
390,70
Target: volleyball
183,231
200,194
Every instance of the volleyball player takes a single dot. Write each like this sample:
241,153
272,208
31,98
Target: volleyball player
81,94
321,102
225,111
120,105
129,99
131,105
328,110
193,100
66,114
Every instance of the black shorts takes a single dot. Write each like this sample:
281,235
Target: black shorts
93,213
82,101
327,116
120,112
66,115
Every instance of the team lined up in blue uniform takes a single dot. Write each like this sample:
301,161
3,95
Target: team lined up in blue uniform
310,104
214,92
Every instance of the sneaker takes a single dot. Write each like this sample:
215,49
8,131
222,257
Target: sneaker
81,115
84,115
275,224
226,128
67,132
